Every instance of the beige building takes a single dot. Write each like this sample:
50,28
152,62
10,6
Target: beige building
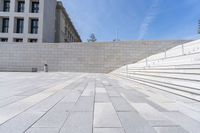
65,30
31,21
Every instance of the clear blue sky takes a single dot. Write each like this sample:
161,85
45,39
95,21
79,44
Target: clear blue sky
135,19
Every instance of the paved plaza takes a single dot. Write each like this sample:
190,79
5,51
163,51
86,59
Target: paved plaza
90,103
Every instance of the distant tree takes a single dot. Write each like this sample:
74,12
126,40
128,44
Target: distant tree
116,40
92,38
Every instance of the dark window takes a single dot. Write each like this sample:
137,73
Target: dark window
4,39
20,6
20,26
34,26
32,40
35,7
5,25
18,40
6,6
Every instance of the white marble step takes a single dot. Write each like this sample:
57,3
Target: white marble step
183,76
186,65
178,82
173,71
167,89
174,86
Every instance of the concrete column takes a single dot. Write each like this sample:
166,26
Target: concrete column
11,20
41,20
27,6
12,6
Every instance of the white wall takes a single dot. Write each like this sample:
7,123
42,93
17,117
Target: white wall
78,57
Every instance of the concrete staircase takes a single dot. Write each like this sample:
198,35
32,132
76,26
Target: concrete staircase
176,71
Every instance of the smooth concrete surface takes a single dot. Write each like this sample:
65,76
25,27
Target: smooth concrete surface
90,103
78,57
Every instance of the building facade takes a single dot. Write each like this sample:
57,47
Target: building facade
29,21
65,30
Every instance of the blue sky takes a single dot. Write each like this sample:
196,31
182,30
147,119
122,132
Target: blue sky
135,19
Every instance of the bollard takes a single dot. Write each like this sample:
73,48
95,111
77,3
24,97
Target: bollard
45,68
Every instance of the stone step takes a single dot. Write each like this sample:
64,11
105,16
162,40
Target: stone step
175,86
181,76
193,85
162,87
168,71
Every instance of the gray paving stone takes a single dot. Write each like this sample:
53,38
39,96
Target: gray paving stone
14,109
102,98
89,90
78,122
10,100
20,123
48,103
100,90
133,98
68,101
43,130
148,112
63,107
162,123
52,119
133,123
84,104
157,107
170,130
121,105
71,97
184,121
105,116
112,92
108,130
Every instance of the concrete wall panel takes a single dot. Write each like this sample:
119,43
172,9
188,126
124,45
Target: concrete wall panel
78,57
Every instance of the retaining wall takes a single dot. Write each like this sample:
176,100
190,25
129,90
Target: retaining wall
78,57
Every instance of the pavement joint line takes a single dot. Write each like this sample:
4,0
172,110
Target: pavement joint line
24,110
85,84
42,115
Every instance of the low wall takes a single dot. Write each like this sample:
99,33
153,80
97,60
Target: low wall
78,57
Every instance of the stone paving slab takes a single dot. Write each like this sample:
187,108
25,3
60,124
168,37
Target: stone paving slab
43,130
105,116
84,104
134,123
90,103
78,122
108,130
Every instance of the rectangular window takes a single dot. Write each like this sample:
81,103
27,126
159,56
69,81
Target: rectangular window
18,40
34,26
4,39
20,6
5,25
35,7
20,26
6,6
32,40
